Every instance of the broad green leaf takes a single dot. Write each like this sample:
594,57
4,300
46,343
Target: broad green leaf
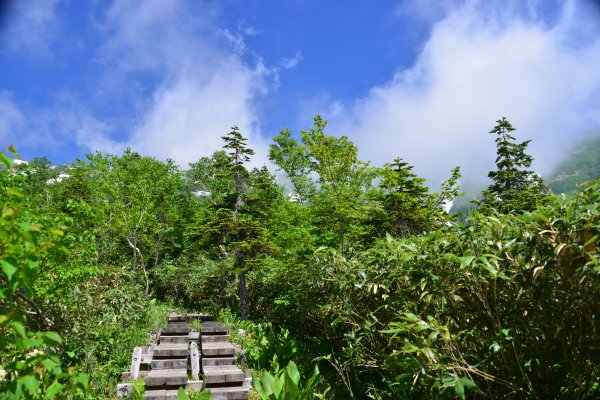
292,372
30,383
8,268
465,261
181,395
410,317
53,390
7,161
314,378
53,337
19,329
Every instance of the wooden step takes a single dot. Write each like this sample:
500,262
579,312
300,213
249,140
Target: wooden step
229,374
177,363
217,349
213,327
166,377
219,361
200,316
174,317
214,338
174,339
231,392
173,350
177,328
161,394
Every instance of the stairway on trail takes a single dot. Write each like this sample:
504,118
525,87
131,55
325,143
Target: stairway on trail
169,362
223,377
177,356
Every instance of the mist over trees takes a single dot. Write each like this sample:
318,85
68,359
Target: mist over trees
360,277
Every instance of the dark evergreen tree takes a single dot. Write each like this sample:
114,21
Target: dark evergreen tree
405,199
514,187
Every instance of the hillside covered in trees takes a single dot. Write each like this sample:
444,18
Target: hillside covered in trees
355,269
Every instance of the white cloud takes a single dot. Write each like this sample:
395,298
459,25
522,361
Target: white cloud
204,86
188,118
11,118
30,28
482,61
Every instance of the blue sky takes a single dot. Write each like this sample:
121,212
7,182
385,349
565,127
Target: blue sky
420,79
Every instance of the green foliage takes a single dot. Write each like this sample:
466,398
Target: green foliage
505,302
514,188
138,388
581,165
193,394
406,205
342,181
29,364
366,273
285,384
294,160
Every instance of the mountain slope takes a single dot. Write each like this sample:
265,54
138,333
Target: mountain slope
582,165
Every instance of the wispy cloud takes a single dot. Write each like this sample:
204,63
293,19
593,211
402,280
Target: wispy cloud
11,117
29,27
483,60
203,84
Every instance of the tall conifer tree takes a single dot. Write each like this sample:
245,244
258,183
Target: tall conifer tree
514,187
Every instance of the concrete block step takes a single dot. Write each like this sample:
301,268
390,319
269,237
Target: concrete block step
161,394
219,361
217,349
177,363
194,336
214,338
174,339
173,350
166,377
229,374
232,392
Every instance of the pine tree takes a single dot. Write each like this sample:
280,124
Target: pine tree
514,187
239,153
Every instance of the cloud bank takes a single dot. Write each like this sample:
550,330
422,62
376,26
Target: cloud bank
484,60
204,84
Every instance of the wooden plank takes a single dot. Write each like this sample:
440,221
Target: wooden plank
195,361
124,390
136,359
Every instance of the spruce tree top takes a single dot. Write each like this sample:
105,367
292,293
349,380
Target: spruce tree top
238,151
514,187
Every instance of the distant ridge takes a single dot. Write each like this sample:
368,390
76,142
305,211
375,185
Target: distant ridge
583,164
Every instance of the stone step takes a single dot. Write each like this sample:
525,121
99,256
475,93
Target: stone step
166,377
214,338
174,339
169,363
214,327
194,336
216,349
232,392
161,394
219,361
170,350
229,374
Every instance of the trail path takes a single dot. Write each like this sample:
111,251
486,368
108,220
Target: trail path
188,359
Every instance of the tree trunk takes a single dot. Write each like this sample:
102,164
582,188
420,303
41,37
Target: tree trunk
243,307
341,222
